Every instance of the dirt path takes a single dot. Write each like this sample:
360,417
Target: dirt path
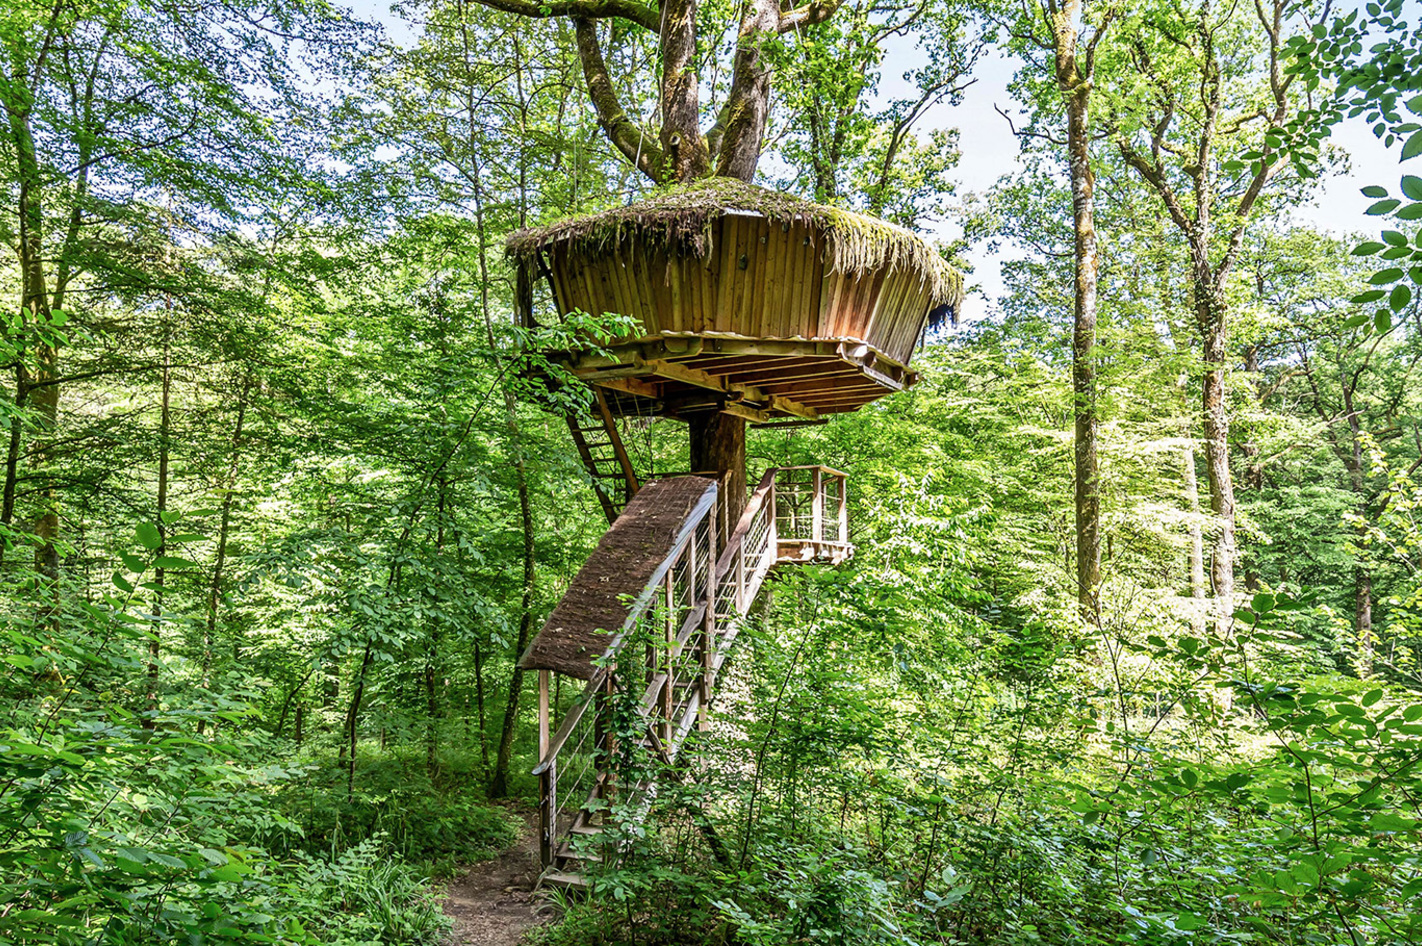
493,903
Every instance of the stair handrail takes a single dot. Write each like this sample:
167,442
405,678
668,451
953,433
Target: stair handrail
635,610
710,618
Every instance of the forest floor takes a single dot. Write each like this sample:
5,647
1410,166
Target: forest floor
493,903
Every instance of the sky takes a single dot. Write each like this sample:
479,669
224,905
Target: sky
990,151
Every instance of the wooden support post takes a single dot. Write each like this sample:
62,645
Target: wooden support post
543,713
547,780
843,510
817,485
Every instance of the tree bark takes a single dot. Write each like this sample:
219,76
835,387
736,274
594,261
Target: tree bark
498,783
432,658
1363,624
718,444
1076,86
682,144
155,642
742,130
1214,325
214,588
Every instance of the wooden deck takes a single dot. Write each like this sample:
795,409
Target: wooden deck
757,379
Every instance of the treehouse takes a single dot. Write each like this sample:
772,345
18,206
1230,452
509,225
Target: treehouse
750,303
750,306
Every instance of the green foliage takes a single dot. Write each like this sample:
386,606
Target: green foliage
362,898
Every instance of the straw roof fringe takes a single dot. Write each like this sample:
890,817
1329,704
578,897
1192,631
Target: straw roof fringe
680,217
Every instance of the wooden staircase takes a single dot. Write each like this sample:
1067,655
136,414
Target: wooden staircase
689,613
608,463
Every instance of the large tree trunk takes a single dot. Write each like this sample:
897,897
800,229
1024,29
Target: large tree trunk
684,148
742,129
718,444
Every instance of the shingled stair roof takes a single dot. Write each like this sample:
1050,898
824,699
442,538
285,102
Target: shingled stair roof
584,625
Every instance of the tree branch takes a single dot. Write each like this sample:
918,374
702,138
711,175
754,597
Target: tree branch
639,147
639,13
811,13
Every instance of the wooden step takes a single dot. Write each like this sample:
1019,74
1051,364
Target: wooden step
567,853
586,830
559,878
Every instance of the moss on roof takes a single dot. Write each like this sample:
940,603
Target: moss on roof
681,215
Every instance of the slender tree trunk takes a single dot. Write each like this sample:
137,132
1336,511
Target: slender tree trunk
498,783
432,706
352,727
1355,461
1363,625
12,454
155,643
43,390
1083,373
214,587
479,705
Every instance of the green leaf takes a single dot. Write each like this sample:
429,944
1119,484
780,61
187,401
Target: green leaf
1190,921
1368,249
1383,207
1413,147
150,538
1385,277
1412,186
1189,777
1410,212
1263,603
1394,238
1374,191
1414,105
1371,697
1401,295
168,561
1355,321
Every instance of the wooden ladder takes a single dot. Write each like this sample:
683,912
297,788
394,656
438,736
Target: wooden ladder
600,445
695,603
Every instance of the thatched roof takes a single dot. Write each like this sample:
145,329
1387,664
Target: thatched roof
594,609
680,216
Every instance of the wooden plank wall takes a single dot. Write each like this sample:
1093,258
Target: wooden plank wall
760,280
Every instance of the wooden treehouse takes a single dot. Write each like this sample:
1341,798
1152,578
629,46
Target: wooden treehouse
751,307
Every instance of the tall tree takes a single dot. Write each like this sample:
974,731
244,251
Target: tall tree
1197,128
1069,35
